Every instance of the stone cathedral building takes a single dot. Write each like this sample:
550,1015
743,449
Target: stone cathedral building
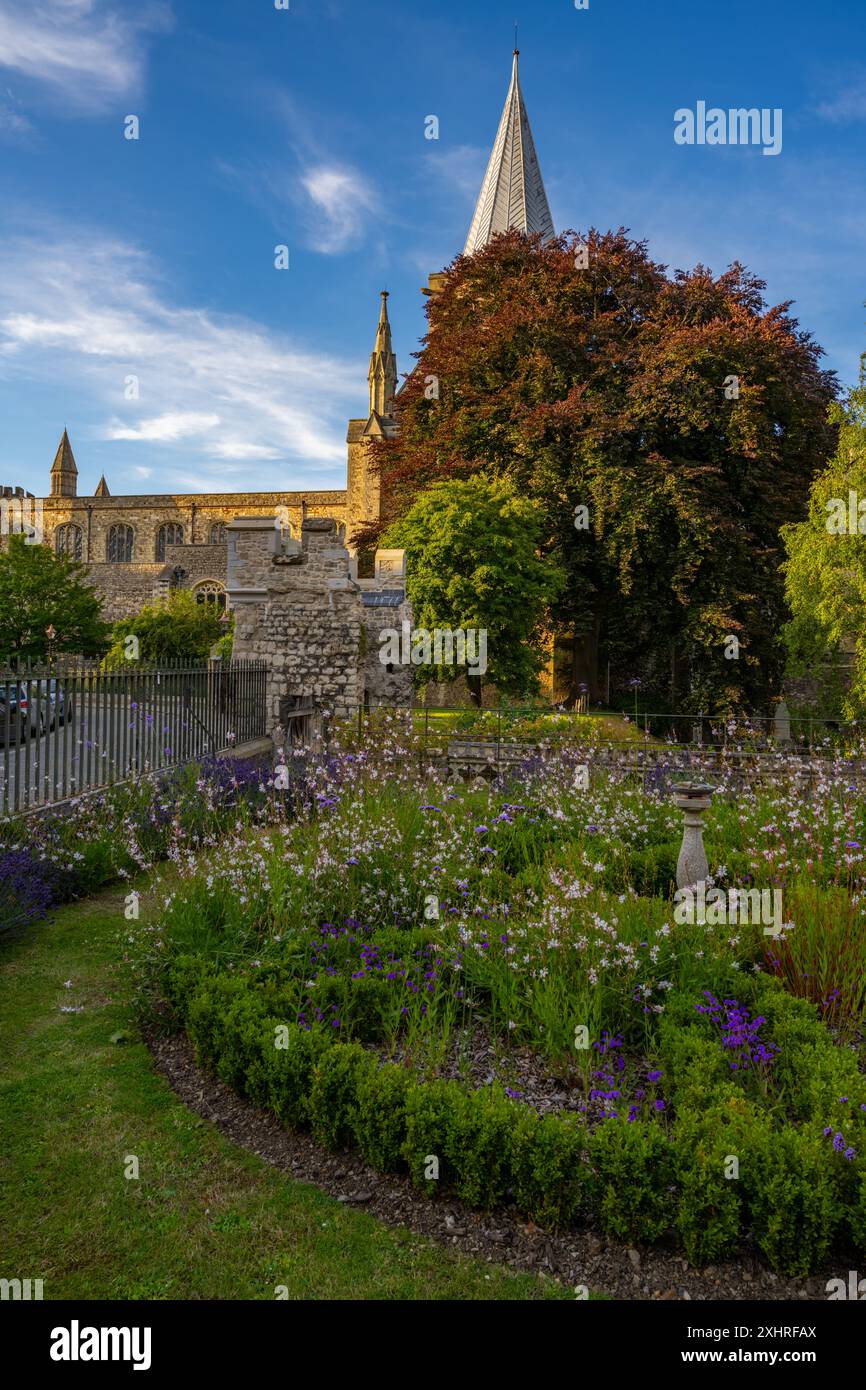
138,547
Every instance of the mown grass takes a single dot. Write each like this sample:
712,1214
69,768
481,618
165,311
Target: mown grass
205,1219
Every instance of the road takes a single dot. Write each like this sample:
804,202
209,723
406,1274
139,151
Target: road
98,745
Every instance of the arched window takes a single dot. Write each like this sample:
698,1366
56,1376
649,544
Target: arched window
218,533
210,591
170,534
118,550
68,540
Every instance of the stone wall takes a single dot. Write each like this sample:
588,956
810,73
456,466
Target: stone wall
124,589
199,563
297,608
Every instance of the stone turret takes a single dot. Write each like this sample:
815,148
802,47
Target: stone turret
382,376
363,494
64,472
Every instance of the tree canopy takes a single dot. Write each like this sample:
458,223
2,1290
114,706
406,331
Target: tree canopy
40,590
825,570
685,415
473,562
173,629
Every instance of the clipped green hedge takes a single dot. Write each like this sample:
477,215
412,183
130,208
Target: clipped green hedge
731,1164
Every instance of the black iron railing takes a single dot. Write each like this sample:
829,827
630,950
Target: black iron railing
70,725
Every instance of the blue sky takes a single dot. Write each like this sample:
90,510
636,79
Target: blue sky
258,127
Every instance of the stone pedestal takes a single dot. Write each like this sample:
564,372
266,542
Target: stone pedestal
693,799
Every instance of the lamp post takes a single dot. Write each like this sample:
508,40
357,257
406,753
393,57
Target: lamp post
50,635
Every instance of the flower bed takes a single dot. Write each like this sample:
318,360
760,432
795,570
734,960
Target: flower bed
54,856
694,1082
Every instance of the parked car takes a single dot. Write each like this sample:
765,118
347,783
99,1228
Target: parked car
15,717
56,701
28,707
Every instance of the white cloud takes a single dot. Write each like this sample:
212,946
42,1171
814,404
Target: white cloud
342,202
12,122
166,429
847,105
85,51
215,391
336,203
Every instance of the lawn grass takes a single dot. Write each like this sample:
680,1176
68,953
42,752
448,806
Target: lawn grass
205,1219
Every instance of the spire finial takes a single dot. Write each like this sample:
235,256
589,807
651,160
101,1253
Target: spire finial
516,49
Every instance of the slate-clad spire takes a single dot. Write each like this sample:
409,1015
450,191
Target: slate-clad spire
382,375
512,194
64,473
102,488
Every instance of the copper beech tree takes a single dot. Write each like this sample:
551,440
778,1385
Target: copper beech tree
665,424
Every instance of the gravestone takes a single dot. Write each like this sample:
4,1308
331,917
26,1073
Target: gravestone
782,723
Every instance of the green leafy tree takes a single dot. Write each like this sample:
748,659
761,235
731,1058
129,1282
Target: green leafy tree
40,590
174,629
472,561
685,414
825,570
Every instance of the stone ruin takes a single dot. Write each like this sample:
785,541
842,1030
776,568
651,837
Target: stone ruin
300,607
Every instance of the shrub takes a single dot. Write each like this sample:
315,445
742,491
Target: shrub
244,1038
428,1121
209,1016
478,1145
653,871
289,1072
711,1197
333,1102
549,1168
794,1215
181,979
632,1173
380,1120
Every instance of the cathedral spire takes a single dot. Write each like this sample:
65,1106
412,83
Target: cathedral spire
512,194
64,473
382,375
